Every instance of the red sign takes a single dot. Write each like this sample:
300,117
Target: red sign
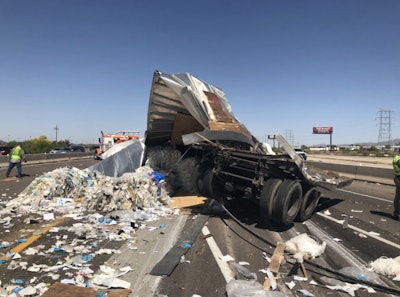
322,130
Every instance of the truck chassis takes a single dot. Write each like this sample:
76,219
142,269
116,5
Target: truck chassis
281,184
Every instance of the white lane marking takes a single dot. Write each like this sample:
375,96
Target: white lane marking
364,195
223,266
360,230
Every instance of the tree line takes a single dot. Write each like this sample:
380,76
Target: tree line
38,145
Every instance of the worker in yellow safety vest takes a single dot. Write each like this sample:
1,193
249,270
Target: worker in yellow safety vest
17,154
396,168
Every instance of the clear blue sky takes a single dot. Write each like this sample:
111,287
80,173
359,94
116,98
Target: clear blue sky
285,66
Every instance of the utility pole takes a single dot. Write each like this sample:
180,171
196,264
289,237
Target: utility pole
56,128
385,126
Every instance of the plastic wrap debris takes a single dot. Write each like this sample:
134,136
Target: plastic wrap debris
244,271
338,285
387,266
142,189
249,288
360,273
305,245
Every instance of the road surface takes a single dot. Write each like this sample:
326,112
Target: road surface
370,233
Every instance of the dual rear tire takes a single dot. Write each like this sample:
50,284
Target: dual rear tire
282,201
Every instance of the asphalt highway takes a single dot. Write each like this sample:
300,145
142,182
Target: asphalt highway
370,233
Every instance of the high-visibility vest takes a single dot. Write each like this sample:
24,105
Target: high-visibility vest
396,166
17,153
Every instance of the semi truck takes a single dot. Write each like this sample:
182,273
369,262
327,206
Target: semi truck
108,140
194,138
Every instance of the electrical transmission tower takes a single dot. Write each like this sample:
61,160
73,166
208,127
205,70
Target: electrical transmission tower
385,127
289,137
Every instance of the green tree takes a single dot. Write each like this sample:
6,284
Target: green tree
37,145
61,143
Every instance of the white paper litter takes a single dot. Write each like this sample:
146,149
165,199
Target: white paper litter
27,291
290,285
272,280
110,282
226,258
306,293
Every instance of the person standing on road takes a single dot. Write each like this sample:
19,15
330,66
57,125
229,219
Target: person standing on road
396,168
16,156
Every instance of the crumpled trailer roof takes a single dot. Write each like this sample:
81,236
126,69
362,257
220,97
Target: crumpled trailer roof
181,104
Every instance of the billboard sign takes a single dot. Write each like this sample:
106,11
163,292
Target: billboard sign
322,130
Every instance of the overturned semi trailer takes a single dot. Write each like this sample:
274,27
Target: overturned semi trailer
195,139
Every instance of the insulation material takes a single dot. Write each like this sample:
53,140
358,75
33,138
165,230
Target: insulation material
305,245
387,266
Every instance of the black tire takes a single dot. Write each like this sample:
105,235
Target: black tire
308,204
287,204
208,184
267,198
199,182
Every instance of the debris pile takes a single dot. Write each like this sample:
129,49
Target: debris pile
104,210
141,189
